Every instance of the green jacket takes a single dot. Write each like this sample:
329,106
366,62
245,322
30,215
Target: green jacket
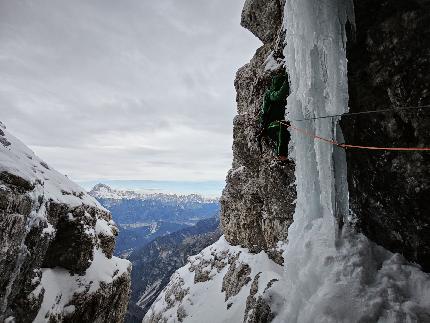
275,100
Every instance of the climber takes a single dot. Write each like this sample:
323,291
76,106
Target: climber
272,116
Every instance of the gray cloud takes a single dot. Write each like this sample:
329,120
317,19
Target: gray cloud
132,89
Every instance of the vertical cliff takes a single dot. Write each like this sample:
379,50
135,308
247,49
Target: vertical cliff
389,64
257,204
258,200
56,245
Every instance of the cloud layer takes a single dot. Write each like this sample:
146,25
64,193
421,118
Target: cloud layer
131,89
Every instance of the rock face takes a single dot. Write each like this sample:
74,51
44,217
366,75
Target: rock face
257,203
262,18
56,245
388,65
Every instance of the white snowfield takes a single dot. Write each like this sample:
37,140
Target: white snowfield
329,275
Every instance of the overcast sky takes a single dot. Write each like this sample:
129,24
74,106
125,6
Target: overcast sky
130,89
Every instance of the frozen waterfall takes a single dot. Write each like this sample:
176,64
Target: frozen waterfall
333,274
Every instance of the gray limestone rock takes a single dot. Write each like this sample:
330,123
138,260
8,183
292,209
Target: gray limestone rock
257,204
236,277
257,309
262,18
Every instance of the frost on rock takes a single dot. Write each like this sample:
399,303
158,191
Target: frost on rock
56,245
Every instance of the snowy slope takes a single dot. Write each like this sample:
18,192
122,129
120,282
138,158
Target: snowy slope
56,247
343,285
195,294
17,159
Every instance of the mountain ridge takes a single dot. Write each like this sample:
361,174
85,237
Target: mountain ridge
104,191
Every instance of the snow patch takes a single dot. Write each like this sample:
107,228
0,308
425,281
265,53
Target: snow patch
103,227
272,64
60,287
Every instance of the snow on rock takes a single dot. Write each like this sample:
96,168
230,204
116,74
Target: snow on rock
104,227
149,292
223,283
16,159
56,245
61,289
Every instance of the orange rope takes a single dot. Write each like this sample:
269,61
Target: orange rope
335,143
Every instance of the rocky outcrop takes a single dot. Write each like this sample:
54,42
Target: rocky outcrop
234,288
262,18
236,277
257,203
257,308
388,64
56,245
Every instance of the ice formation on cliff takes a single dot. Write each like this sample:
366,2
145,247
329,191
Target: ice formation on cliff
333,275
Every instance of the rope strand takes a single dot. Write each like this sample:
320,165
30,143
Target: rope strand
366,112
345,146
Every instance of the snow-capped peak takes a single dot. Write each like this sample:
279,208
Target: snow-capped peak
103,191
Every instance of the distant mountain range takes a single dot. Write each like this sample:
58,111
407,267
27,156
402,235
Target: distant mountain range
142,217
104,191
157,232
157,261
204,188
